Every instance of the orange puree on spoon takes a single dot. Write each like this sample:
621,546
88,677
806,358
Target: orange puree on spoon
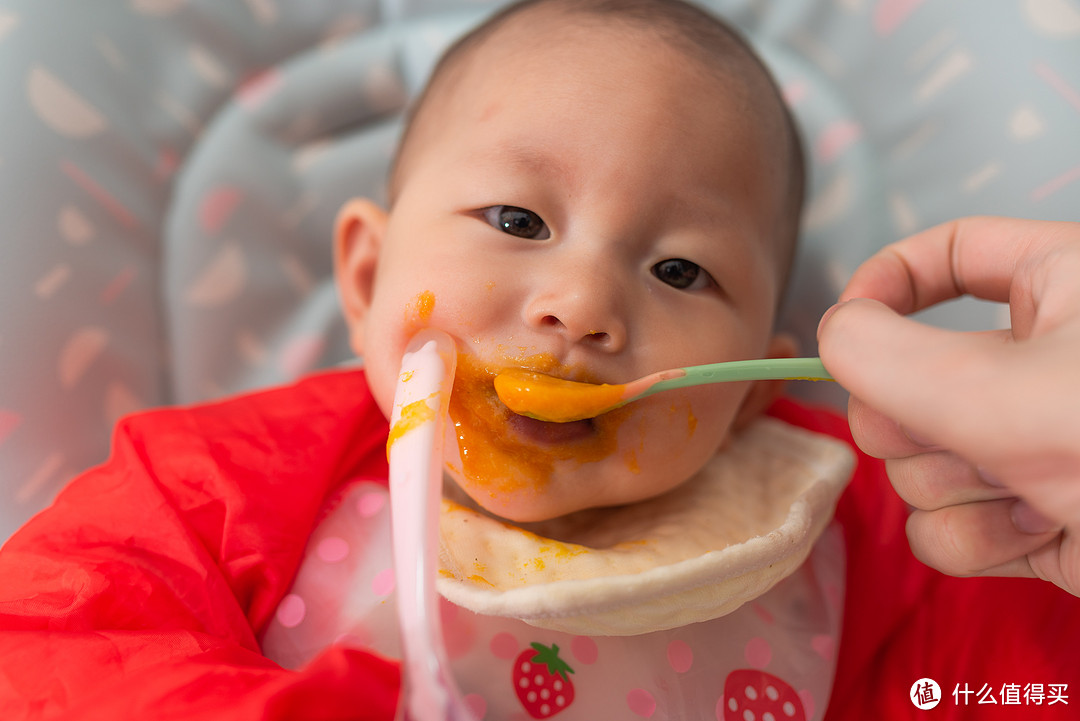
555,399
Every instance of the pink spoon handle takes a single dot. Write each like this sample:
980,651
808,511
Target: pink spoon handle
417,429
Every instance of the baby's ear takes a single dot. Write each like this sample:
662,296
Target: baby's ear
358,238
763,393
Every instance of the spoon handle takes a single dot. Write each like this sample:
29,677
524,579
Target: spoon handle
414,449
808,369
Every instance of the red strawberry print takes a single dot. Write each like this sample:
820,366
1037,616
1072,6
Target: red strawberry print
541,681
752,694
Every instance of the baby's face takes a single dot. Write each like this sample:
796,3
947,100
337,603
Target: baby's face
598,208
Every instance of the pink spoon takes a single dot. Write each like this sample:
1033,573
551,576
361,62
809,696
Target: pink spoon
415,451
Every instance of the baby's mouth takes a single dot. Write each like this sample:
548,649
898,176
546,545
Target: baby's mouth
545,432
476,406
549,433
502,452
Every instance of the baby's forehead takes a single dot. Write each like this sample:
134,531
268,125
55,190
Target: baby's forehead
464,80
513,40
517,37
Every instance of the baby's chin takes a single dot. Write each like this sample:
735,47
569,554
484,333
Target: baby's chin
519,505
560,497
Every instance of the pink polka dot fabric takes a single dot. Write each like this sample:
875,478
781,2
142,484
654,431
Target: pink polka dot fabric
771,656
344,590
170,172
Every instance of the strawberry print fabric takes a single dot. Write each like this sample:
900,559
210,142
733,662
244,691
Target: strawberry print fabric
508,669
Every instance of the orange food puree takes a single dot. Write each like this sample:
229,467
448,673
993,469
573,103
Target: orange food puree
412,415
498,460
555,399
421,307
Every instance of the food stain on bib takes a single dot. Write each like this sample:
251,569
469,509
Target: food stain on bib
550,555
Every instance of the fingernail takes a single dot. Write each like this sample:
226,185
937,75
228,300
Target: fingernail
828,314
1028,520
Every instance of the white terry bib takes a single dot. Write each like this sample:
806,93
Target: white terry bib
746,520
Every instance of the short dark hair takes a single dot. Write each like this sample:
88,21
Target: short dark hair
684,26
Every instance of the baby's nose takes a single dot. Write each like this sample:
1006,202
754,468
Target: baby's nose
590,316
598,338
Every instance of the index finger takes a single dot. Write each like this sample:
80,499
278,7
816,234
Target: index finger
979,256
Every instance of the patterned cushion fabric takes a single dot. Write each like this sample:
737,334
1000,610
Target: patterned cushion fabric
170,171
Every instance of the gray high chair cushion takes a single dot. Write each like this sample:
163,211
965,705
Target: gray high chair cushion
170,171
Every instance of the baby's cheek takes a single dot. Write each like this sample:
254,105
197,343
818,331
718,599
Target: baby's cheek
382,364
670,445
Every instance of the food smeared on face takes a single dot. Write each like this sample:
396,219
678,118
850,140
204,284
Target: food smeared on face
502,452
419,310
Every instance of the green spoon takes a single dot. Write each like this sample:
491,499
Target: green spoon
547,398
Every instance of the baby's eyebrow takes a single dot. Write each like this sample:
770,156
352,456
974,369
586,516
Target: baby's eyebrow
701,207
530,160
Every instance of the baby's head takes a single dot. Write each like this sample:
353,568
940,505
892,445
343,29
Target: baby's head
596,189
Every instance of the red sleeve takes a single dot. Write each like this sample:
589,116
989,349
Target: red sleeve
904,621
140,593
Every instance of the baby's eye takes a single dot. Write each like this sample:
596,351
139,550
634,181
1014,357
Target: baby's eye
682,274
517,221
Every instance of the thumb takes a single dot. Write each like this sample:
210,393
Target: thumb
936,382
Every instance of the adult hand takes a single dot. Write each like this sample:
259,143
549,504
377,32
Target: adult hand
980,431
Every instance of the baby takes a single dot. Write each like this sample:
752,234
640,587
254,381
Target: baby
598,191
594,189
